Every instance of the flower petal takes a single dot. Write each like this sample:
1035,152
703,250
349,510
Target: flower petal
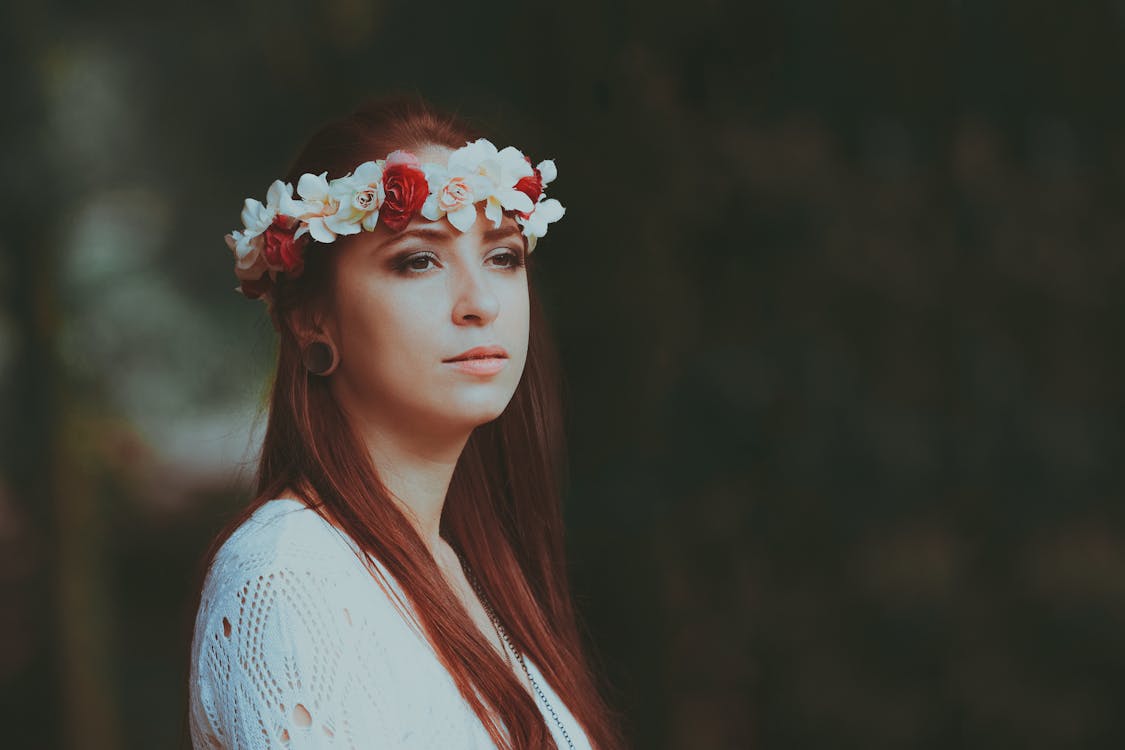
313,187
480,185
549,210
371,220
291,207
251,266
341,225
255,216
436,176
464,217
277,192
547,170
430,208
468,158
319,232
514,163
516,200
248,243
493,211
368,173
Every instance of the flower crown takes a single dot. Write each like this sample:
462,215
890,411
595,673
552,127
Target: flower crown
389,190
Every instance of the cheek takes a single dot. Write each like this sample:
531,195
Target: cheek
516,325
387,337
518,306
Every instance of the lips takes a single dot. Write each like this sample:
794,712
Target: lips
480,352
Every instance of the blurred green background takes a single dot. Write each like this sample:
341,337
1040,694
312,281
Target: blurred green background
839,297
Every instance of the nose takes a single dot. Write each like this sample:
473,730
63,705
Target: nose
474,299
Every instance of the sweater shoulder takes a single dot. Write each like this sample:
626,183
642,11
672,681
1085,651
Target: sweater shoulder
290,626
284,531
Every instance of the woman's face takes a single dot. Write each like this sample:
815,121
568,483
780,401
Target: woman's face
406,302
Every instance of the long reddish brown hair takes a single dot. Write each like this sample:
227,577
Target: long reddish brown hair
502,510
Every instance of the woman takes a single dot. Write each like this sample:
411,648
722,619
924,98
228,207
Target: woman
398,580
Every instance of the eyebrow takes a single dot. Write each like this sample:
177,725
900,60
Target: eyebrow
492,234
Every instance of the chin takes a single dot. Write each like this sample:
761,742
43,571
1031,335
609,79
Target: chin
483,415
480,411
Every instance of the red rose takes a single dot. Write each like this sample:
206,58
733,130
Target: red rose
282,251
531,186
405,187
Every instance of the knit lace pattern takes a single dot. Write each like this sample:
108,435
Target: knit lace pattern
297,646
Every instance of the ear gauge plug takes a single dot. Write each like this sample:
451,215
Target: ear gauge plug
320,357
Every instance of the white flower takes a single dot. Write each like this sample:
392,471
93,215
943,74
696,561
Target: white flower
358,197
535,225
319,204
454,195
251,263
257,218
547,170
502,168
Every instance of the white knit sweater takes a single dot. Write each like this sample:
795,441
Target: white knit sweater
297,646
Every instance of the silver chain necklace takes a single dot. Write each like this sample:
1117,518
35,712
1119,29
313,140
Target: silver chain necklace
503,634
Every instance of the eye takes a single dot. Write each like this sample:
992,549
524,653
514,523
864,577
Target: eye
512,259
418,264
414,264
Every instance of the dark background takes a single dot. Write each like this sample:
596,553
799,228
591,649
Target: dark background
838,294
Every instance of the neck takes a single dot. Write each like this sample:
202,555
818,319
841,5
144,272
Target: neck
417,470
